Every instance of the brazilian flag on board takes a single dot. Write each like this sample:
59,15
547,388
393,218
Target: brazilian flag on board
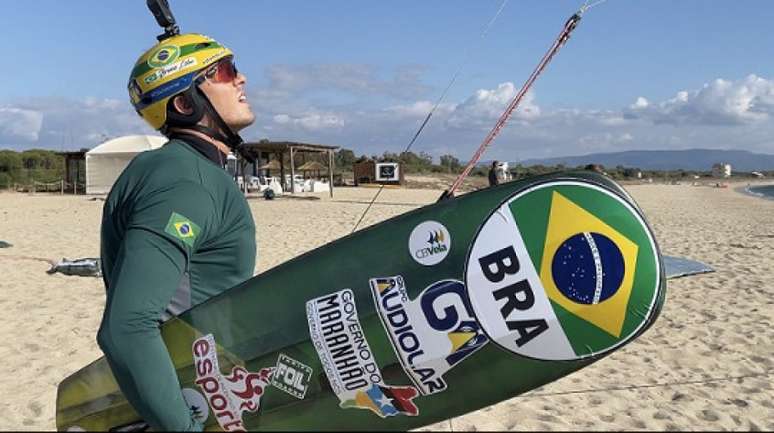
595,259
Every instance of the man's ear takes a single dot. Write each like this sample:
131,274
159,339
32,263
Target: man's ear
182,105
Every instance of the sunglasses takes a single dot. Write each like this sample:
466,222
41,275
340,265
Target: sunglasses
224,71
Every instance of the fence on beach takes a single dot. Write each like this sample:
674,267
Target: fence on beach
60,186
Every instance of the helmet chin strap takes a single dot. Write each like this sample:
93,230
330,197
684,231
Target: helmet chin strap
224,133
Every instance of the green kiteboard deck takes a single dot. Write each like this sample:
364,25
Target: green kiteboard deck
427,316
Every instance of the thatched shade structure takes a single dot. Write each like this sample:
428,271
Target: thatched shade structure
279,148
271,165
312,166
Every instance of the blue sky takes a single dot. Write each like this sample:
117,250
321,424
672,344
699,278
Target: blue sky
636,74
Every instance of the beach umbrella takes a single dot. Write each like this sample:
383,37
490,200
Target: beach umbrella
312,166
271,165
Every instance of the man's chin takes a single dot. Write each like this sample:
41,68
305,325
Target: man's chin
242,123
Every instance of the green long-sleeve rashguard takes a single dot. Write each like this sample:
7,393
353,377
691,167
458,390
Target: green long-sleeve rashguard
176,231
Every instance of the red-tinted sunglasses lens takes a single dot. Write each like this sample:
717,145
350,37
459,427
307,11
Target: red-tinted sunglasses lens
224,72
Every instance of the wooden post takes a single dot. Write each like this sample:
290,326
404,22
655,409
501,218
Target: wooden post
330,172
282,169
77,176
292,173
62,191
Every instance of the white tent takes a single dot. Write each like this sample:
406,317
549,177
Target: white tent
105,162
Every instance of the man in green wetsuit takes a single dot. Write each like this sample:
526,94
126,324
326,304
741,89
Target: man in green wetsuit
176,230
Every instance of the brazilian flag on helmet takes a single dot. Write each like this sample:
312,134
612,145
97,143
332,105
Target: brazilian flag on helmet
580,278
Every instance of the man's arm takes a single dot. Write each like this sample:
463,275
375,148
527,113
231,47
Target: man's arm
145,277
163,231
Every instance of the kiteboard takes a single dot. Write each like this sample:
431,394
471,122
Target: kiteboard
429,315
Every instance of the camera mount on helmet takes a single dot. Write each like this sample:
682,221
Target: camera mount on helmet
162,13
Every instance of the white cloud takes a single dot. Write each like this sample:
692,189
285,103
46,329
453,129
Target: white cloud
720,102
311,121
728,114
93,103
282,119
57,123
419,109
19,124
640,103
535,131
486,106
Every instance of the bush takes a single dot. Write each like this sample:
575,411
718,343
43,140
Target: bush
30,165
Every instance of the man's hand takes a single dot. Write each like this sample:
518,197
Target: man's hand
445,196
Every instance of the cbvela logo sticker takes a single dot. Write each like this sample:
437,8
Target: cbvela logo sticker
347,360
429,243
430,334
228,396
563,271
291,376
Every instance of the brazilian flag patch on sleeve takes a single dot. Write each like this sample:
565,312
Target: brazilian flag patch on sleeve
182,228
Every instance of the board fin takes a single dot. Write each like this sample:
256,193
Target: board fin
677,267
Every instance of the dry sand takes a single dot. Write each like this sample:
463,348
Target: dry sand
706,364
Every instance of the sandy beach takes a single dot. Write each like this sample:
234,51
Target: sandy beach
706,364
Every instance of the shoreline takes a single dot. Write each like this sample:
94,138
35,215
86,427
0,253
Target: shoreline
748,190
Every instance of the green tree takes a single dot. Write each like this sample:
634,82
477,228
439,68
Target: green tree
389,157
42,165
10,162
30,165
10,167
343,159
414,163
450,163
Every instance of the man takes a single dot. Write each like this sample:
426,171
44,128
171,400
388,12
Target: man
176,230
493,180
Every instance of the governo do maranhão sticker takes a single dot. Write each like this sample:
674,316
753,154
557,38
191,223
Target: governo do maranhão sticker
563,271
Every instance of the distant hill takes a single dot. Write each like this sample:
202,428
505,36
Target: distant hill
692,159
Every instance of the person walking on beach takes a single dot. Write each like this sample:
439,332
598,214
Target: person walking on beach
176,230
493,180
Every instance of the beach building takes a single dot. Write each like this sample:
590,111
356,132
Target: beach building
105,162
721,169
384,173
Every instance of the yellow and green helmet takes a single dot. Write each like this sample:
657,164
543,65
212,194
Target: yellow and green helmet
168,69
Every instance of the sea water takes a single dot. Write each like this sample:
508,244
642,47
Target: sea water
766,191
